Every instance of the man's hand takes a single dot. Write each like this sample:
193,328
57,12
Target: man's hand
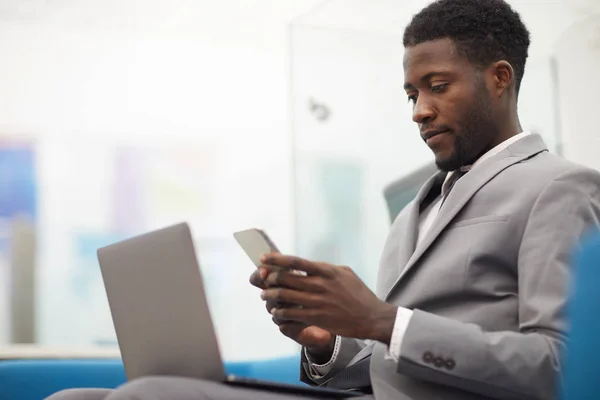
330,297
317,341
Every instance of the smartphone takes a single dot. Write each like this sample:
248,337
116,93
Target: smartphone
255,243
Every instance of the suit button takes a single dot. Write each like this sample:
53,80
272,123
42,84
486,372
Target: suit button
428,358
450,364
438,362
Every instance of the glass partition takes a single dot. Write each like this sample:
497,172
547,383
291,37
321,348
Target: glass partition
106,134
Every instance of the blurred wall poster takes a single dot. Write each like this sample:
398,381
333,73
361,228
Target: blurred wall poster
18,198
151,186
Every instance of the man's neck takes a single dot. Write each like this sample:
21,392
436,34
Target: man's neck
509,125
498,148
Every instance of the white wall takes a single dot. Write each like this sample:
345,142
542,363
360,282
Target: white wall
578,56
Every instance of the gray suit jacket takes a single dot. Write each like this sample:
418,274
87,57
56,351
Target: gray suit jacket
487,284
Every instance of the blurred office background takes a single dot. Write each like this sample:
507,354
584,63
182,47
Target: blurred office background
121,116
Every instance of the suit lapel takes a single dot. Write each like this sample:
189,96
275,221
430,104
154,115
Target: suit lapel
412,233
464,189
403,235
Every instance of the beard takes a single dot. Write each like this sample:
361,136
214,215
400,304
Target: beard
479,128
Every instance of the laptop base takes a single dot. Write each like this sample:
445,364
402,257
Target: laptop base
286,388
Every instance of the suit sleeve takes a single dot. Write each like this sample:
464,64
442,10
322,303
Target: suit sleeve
523,364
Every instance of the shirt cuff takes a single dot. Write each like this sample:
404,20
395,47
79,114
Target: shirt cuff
320,370
400,325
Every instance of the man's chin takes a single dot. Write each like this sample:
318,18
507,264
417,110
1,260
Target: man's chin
447,164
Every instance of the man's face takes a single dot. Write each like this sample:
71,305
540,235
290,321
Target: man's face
451,103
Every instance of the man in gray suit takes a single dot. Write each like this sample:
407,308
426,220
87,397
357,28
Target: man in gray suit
472,283
473,279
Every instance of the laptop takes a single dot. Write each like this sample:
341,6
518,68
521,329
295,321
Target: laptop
161,314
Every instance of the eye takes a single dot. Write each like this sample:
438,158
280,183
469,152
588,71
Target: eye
412,98
439,88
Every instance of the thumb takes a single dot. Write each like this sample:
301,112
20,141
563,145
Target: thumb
258,278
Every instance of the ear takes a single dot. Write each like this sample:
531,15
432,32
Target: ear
504,76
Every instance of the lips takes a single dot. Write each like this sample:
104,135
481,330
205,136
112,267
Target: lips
430,134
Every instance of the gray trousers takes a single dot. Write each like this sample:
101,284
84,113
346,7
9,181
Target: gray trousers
172,388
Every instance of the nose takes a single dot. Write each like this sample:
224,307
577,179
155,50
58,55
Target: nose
423,111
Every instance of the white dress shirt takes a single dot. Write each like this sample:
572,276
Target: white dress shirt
426,219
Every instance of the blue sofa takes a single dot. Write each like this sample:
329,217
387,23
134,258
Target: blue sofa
36,379
581,377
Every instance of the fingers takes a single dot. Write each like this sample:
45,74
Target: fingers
282,295
291,329
258,278
296,263
279,321
271,305
302,315
283,278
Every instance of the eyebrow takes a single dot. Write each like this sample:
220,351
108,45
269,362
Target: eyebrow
426,78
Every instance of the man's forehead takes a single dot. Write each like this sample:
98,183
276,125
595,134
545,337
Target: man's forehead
432,54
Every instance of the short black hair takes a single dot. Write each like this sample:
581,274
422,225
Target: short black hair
484,31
